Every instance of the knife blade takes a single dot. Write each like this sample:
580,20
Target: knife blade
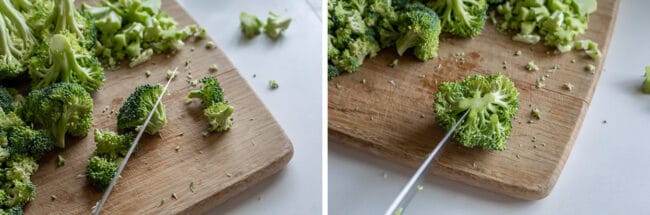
414,184
108,190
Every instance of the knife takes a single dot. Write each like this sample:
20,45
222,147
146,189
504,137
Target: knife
108,190
408,192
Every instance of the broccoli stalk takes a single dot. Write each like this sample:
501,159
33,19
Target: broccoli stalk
15,40
491,102
137,106
420,28
69,63
65,18
62,108
464,18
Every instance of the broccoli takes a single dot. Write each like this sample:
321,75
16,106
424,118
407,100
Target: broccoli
25,140
62,108
65,18
250,24
6,100
419,27
273,84
559,22
17,190
275,25
66,62
60,161
491,102
464,18
134,30
216,109
101,170
137,106
111,144
16,40
646,82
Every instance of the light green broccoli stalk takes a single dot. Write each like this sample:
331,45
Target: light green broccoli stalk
137,106
66,62
62,108
65,18
250,25
276,25
419,27
491,102
16,39
464,18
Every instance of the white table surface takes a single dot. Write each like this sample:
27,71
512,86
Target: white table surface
607,173
295,62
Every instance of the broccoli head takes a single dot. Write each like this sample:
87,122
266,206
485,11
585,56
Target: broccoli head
276,25
65,18
6,100
137,106
111,144
16,40
219,116
210,93
419,27
464,18
100,171
491,102
250,24
25,140
62,108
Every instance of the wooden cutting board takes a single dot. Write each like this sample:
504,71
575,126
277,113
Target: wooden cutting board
391,115
219,165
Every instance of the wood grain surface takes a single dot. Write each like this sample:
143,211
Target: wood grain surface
219,165
391,115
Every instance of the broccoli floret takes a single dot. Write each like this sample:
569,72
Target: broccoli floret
100,171
276,25
646,82
210,93
419,27
19,193
491,102
332,72
250,25
18,210
16,40
273,84
137,106
464,18
62,108
20,167
66,62
111,144
219,116
6,100
65,18
24,140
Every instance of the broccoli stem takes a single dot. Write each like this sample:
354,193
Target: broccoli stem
64,61
409,40
64,16
7,9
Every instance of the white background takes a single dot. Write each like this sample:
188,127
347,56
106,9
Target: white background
608,171
295,62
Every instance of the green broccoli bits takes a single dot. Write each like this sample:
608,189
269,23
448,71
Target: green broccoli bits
250,25
491,102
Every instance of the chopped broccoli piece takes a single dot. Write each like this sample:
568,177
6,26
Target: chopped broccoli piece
531,66
100,171
568,86
646,82
250,25
137,106
394,63
61,108
219,116
25,140
210,45
276,25
536,113
66,62
273,84
214,68
210,93
111,144
60,161
419,27
590,68
172,73
491,102
464,18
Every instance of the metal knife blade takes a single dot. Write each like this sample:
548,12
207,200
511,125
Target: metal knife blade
108,190
408,192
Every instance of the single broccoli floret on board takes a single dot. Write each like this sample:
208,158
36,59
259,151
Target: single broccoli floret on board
219,116
137,106
419,27
100,171
111,144
491,102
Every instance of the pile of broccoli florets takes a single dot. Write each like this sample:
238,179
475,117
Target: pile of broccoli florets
358,29
492,103
215,107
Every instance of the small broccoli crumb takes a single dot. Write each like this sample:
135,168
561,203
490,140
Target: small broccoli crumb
568,86
531,66
273,84
162,202
399,211
590,68
420,187
536,113
192,187
392,82
210,45
53,197
504,65
394,63
147,73
214,68
530,121
646,82
188,63
174,195
363,81
539,84
171,74
178,148
60,161
192,49
573,60
518,53
193,83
